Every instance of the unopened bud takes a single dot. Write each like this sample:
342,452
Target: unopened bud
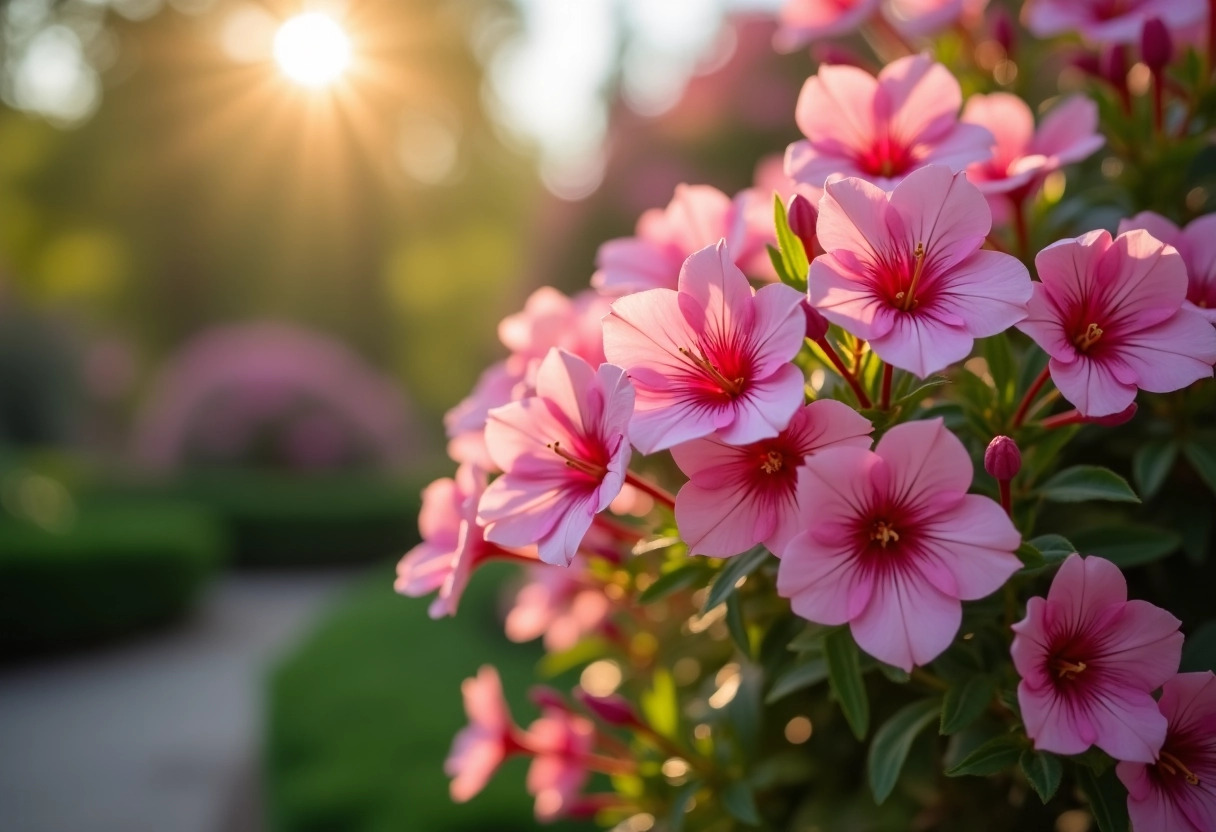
1003,30
546,697
1112,65
816,324
614,710
803,217
1115,419
1002,460
1156,45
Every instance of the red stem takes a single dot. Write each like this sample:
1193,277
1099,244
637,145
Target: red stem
887,373
848,376
650,488
1159,102
1063,420
1006,497
1028,399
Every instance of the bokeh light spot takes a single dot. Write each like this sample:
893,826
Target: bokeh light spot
311,49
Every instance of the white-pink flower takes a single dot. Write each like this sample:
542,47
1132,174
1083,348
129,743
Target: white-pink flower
738,496
714,356
1110,315
881,129
1108,21
803,21
560,605
904,270
562,742
1197,245
564,456
479,749
893,543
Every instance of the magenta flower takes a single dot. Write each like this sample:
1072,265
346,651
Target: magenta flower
714,356
1108,21
1089,660
1023,156
486,741
564,455
881,129
562,743
1110,315
697,216
562,605
803,21
738,496
1178,792
1197,245
893,543
904,270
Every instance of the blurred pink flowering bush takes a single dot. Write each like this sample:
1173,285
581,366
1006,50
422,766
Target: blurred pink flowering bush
826,490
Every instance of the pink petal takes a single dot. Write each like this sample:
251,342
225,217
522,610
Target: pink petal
1008,118
717,521
989,291
1173,354
803,21
1142,278
907,622
778,328
964,145
919,97
836,109
1069,133
975,542
1155,224
630,264
1044,322
560,544
1087,585
845,298
825,584
922,343
943,211
698,216
1142,647
1094,386
853,218
1128,725
765,407
923,458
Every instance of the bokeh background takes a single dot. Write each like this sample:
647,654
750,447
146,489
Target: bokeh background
246,265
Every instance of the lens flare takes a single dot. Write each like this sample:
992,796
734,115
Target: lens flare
312,50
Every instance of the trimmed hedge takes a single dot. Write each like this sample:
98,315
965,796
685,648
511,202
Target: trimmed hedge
363,715
115,570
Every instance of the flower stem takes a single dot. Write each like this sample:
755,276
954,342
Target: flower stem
1006,497
845,373
1063,420
650,488
1028,399
888,372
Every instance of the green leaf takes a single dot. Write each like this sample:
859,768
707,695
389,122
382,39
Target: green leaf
736,625
1152,464
1199,650
1043,771
737,568
804,675
1127,544
893,741
660,705
1203,460
792,250
1087,482
1030,557
995,755
999,358
1053,547
779,266
679,805
1107,799
844,676
679,578
738,800
810,640
965,703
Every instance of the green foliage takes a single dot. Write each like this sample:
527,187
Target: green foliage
735,570
844,676
994,756
1088,482
791,260
892,742
1043,771
965,702
1127,544
1107,799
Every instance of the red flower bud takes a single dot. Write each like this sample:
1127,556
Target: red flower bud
544,696
816,324
614,710
1002,460
1003,30
1112,65
1156,45
803,217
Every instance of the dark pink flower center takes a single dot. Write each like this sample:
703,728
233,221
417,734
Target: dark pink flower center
1171,764
904,281
589,460
886,157
722,374
886,531
1202,293
1110,9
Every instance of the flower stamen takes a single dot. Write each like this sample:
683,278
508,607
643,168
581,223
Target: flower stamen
730,387
907,299
883,533
1091,336
1068,670
591,469
771,462
1175,766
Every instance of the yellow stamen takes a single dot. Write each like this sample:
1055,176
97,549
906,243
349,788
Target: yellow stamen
1068,670
772,462
1091,336
589,468
907,300
1175,766
884,534
732,387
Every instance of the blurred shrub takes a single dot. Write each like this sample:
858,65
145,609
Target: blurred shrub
362,716
112,571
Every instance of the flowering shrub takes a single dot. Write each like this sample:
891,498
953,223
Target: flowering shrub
885,593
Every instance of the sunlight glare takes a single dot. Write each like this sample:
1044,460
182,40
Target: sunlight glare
312,50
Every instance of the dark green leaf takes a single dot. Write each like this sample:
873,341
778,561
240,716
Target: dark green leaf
999,358
1199,650
1088,482
679,578
1043,770
1152,464
1127,545
810,639
1030,557
995,755
1053,547
738,800
1203,460
736,625
737,568
745,712
803,675
892,742
896,674
920,393
1107,799
844,676
679,805
965,702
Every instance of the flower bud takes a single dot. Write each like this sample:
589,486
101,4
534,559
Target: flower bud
614,710
816,324
1003,30
1115,419
1112,65
1156,45
544,696
803,217
1003,460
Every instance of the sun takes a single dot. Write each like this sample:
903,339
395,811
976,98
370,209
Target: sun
312,50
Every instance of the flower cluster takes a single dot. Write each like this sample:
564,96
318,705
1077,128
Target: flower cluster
744,462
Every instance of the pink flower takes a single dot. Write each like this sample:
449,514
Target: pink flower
881,129
738,496
1022,156
803,21
500,383
560,604
696,217
562,743
1110,315
923,17
486,741
564,455
905,270
893,542
1108,21
1178,793
1197,245
453,545
714,356
1089,660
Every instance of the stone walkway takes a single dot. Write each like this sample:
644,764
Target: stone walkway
159,735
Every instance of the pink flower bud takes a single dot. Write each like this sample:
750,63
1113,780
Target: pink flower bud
614,710
1003,30
816,324
1156,45
803,217
546,697
1112,65
1115,419
1002,460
